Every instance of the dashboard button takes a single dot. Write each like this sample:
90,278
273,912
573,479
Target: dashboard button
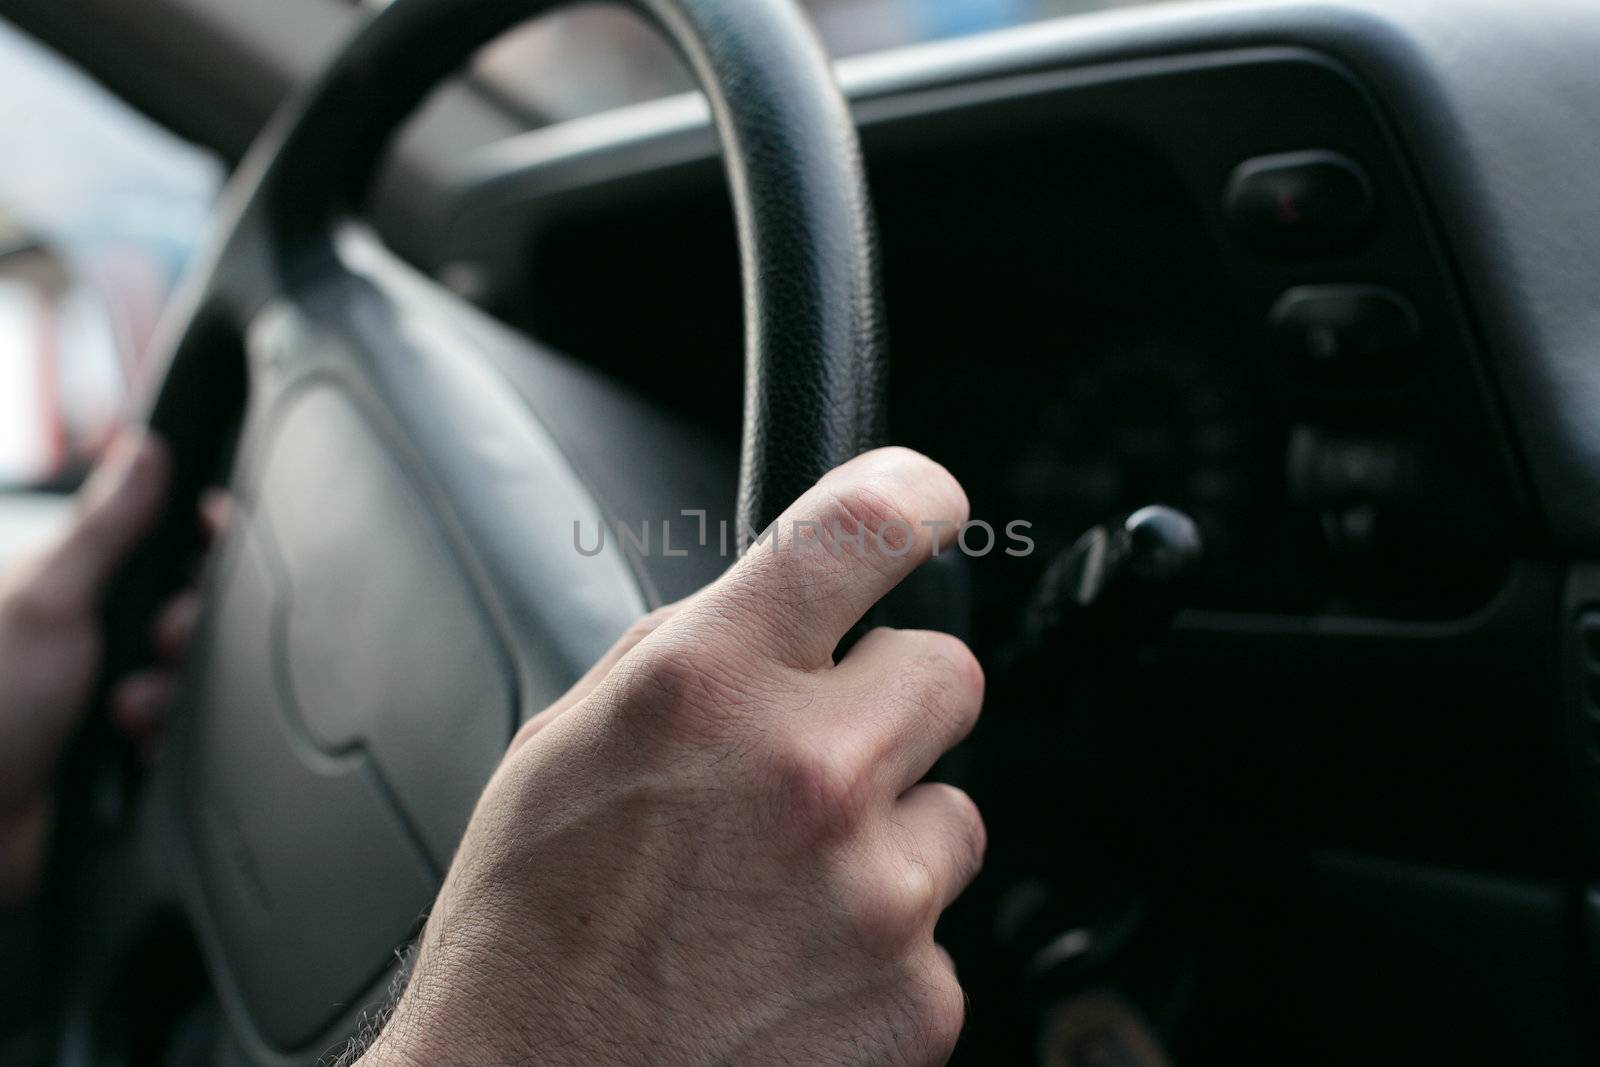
1300,202
1347,335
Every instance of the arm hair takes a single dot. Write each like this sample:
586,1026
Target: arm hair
373,1022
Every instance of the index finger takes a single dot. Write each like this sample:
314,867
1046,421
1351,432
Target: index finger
833,554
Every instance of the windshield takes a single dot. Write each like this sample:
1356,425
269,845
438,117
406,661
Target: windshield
599,56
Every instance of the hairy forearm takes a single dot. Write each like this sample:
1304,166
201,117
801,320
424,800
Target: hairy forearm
367,1047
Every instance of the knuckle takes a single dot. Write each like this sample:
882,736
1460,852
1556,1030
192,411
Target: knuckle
943,679
820,795
942,1008
676,691
964,663
897,909
880,635
526,731
961,668
670,676
971,835
870,509
643,627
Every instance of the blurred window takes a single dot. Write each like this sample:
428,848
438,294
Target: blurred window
100,209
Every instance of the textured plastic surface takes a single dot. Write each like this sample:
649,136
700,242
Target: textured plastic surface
312,875
382,643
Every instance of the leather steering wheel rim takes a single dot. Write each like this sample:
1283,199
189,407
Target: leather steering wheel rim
815,365
266,741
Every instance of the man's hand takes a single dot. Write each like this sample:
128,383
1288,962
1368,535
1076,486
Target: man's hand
715,849
51,645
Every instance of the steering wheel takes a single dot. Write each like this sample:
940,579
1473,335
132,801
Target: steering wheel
399,588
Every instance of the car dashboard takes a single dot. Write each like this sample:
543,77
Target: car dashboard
1282,266
1087,316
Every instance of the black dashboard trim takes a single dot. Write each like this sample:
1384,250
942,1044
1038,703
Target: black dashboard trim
1425,69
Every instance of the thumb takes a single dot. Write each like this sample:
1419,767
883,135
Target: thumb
116,508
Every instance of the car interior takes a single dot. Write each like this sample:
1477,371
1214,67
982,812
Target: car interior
1264,336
